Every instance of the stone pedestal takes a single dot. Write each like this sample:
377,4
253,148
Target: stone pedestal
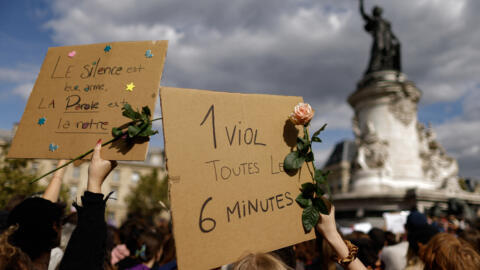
385,125
398,163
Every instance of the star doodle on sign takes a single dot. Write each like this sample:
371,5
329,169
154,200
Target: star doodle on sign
130,87
41,120
52,147
72,54
148,54
107,48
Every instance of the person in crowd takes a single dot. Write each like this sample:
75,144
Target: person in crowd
260,261
378,237
35,225
368,252
287,255
356,235
345,252
395,257
307,254
447,252
86,248
168,259
472,236
417,238
11,257
12,202
129,233
149,250
390,239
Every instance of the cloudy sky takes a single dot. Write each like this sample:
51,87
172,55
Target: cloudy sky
316,49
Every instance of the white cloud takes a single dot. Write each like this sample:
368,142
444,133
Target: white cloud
321,156
460,136
23,90
316,49
335,115
16,75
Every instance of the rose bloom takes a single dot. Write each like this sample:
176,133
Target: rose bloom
302,114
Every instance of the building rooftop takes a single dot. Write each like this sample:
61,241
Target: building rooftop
343,151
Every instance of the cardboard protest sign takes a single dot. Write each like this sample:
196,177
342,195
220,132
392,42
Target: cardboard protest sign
78,96
228,191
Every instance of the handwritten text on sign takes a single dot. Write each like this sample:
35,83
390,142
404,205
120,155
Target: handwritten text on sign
78,96
228,189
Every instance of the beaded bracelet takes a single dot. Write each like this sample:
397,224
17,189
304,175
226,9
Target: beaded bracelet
352,254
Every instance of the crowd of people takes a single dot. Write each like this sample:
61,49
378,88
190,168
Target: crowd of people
35,234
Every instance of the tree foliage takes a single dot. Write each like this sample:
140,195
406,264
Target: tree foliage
15,179
147,197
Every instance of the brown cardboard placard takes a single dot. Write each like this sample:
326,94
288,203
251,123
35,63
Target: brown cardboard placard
78,96
228,191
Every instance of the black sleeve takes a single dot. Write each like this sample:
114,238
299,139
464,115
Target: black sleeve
86,248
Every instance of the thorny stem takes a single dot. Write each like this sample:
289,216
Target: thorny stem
305,130
86,153
313,164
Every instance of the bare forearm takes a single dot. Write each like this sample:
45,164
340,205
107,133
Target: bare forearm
338,245
53,189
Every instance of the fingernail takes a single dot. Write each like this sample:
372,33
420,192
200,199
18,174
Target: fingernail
99,141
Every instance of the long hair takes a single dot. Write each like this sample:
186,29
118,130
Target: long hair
446,252
260,261
11,257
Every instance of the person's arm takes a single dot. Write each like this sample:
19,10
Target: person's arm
362,12
86,248
53,189
327,227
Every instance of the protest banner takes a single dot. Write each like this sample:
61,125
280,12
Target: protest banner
395,222
78,96
229,193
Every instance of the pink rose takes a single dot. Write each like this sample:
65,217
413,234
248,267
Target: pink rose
302,114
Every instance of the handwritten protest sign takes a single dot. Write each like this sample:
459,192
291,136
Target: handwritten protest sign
78,96
228,191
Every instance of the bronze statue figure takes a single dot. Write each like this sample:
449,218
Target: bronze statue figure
385,53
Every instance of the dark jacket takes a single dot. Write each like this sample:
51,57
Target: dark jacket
86,248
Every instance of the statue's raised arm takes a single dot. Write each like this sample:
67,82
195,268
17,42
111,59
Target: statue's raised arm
362,12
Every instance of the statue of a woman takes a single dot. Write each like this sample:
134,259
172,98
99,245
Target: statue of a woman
385,53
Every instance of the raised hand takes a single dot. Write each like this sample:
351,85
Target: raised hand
98,170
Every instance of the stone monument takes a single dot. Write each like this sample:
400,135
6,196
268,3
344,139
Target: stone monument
398,163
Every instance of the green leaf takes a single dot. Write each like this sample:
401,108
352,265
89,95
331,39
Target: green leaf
318,190
309,157
293,161
303,201
128,112
308,189
302,144
316,139
116,132
319,130
133,131
320,206
320,177
148,132
309,218
146,111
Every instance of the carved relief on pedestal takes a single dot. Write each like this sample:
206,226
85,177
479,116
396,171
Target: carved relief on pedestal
436,163
372,152
403,104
